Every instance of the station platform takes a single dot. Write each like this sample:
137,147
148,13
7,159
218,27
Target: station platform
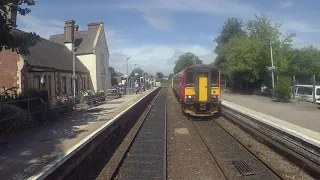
24,154
303,114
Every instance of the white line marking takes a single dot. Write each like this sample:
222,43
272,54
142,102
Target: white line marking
60,160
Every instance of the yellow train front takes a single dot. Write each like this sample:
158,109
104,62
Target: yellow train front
198,90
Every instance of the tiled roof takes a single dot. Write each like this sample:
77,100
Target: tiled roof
83,39
48,54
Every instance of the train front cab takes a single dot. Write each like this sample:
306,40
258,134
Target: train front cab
202,92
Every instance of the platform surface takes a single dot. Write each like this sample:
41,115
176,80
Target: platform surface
24,154
303,114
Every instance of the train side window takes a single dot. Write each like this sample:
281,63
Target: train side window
189,79
318,91
214,78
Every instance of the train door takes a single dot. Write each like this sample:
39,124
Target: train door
203,86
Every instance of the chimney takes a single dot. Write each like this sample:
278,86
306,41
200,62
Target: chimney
69,31
94,25
12,15
76,28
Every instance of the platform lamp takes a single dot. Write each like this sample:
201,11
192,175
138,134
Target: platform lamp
127,59
42,81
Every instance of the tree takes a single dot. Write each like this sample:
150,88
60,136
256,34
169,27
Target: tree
247,57
305,63
170,76
137,70
114,80
119,74
184,61
231,28
160,75
15,40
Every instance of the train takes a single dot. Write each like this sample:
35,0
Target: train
198,90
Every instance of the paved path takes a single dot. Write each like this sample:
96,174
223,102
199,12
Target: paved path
24,154
303,114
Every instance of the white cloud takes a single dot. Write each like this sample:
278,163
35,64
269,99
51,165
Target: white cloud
298,26
160,7
219,7
285,4
115,38
43,28
159,22
153,58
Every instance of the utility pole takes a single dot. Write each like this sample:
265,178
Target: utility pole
74,74
127,76
194,60
272,69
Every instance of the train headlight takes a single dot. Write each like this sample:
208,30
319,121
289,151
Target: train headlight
189,98
214,97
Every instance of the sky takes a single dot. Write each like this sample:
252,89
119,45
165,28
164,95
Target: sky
153,33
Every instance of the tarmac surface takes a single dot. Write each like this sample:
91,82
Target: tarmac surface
303,114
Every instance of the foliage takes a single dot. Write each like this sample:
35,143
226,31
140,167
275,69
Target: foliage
30,93
159,75
137,70
231,28
8,94
113,73
283,89
14,118
184,61
16,40
244,55
62,100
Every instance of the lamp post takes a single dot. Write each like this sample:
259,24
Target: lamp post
74,77
127,59
272,68
42,81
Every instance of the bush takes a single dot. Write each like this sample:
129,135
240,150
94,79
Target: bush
283,89
30,93
19,118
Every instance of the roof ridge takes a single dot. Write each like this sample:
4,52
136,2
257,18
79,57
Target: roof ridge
75,32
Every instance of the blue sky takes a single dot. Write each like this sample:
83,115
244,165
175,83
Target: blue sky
155,32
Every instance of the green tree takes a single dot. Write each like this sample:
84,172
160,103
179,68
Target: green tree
159,75
247,57
16,40
231,28
137,70
113,73
184,61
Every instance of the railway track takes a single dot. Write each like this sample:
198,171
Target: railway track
234,159
297,151
145,157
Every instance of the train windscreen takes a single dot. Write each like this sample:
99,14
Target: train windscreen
189,79
214,78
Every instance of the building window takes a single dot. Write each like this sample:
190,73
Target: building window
102,59
64,84
36,82
103,83
83,80
102,63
